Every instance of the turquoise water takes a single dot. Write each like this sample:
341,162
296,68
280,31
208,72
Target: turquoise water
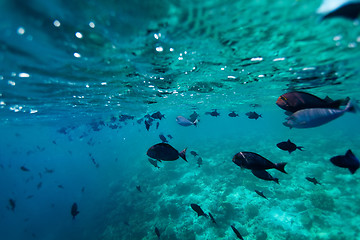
67,68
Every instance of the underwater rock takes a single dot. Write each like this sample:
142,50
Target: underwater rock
322,200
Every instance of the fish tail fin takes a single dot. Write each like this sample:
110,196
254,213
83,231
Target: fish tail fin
351,107
276,180
353,169
286,124
182,154
196,122
300,148
281,166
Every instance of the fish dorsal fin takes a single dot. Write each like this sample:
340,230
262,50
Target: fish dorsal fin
349,153
328,99
288,141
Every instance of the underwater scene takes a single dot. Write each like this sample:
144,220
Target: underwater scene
179,119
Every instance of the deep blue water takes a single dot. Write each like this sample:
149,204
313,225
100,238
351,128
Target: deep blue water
71,71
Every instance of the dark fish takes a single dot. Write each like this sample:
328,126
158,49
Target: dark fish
49,170
194,153
147,125
83,189
157,115
39,185
295,101
24,169
12,204
163,138
60,186
264,175
213,113
199,161
54,142
30,196
260,193
153,162
185,122
157,232
347,9
254,161
198,210
348,161
254,105
253,115
233,114
74,210
314,117
169,136
212,218
165,152
126,223
138,188
194,116
157,125
313,180
237,232
288,146
124,117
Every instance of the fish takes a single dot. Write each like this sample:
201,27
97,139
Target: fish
314,117
194,116
157,125
295,101
60,186
39,185
163,138
157,232
254,161
169,136
253,115
74,210
138,188
30,196
348,161
83,189
288,146
124,117
157,115
260,193
12,204
165,152
264,175
198,210
153,162
233,114
185,122
348,9
213,113
237,232
212,218
24,169
147,125
49,170
194,153
199,161
313,180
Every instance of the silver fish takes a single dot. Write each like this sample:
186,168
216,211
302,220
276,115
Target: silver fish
314,117
185,122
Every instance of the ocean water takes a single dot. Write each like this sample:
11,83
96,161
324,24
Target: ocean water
72,70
